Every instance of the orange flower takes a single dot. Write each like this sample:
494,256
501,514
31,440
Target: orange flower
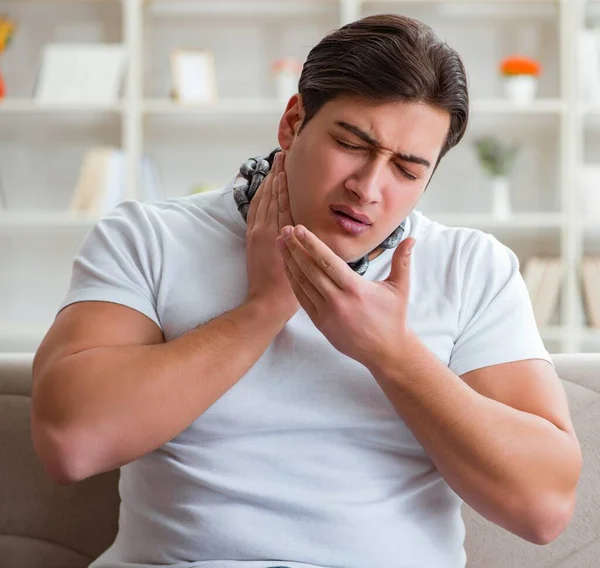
518,65
286,65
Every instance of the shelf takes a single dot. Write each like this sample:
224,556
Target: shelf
260,107
552,333
226,108
521,221
503,107
590,334
29,105
245,8
43,219
458,2
273,107
480,8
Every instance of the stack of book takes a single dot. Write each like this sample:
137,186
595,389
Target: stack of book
590,272
101,183
544,276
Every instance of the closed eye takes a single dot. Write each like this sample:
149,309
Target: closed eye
405,173
349,146
352,148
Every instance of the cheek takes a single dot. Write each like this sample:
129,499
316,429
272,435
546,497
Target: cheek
335,167
317,177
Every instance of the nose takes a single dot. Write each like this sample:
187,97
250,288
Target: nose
368,181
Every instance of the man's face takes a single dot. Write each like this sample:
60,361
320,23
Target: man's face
359,159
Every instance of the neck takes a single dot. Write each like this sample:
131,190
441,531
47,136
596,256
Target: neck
375,253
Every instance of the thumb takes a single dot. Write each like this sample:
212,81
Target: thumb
400,271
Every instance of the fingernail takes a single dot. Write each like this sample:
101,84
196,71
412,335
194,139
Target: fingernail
300,232
287,232
280,243
410,247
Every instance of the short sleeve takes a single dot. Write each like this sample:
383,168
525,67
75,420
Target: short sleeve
496,319
118,261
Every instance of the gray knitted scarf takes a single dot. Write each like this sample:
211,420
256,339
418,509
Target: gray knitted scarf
255,170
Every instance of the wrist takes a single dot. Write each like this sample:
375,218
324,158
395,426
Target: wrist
266,311
406,354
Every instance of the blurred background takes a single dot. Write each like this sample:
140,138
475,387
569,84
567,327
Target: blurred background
103,100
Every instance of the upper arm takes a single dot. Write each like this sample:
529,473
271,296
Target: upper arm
496,323
87,325
530,385
112,297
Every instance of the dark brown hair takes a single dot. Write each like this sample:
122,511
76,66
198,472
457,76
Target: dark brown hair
388,58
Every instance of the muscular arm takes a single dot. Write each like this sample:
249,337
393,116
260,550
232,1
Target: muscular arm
501,436
107,389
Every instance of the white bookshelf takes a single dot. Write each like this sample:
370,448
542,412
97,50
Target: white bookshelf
34,220
22,105
146,120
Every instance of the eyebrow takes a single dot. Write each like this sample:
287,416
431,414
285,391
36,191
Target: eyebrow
374,142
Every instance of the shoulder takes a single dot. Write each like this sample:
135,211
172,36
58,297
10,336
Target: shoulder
172,217
461,246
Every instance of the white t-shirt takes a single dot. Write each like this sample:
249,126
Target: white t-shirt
304,462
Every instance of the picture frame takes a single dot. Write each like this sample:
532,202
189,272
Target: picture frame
81,74
193,76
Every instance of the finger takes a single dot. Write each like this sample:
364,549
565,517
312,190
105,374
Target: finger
313,274
300,278
264,196
302,298
285,213
330,263
274,203
252,210
270,212
400,271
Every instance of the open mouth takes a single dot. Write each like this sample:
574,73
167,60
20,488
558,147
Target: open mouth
348,216
357,218
351,224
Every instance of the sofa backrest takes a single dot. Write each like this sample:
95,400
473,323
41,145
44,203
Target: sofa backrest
44,525
489,546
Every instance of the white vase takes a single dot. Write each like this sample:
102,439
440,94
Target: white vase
286,82
521,89
501,205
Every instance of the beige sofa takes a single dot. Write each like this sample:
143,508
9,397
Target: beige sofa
43,525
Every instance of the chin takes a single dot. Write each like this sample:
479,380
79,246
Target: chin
345,252
349,249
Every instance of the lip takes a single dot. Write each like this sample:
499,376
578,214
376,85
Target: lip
354,214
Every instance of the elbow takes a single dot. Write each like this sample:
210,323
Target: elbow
550,521
61,459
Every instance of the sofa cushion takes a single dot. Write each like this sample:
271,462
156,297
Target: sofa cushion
43,525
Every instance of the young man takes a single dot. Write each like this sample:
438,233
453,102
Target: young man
282,379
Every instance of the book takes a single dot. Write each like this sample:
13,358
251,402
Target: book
546,301
533,274
589,64
100,185
590,271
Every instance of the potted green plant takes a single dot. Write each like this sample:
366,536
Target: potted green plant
497,160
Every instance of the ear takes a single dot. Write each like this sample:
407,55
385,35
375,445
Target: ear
290,122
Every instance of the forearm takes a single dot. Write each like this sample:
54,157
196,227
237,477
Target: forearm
122,402
513,467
